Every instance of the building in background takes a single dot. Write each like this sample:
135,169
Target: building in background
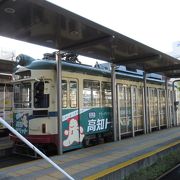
7,53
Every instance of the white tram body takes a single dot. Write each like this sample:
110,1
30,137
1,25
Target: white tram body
6,99
87,103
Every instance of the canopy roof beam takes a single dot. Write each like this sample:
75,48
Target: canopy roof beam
164,68
88,43
173,75
139,60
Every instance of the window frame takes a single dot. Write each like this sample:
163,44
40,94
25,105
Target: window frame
94,102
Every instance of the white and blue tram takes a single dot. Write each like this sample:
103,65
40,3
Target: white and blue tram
86,102
6,100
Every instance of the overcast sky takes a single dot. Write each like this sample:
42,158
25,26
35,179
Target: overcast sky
151,22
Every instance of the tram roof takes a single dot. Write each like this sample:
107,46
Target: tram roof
41,22
7,66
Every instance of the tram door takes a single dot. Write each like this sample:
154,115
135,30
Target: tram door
162,107
137,108
6,96
124,109
153,108
2,102
170,108
70,114
177,112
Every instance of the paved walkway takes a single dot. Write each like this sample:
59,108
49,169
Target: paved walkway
96,161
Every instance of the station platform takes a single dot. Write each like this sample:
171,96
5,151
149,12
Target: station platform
6,146
98,161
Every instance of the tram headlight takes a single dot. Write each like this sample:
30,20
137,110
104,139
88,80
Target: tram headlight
43,128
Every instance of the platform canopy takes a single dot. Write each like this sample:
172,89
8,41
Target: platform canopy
43,23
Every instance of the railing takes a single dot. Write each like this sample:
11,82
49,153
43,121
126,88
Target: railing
2,121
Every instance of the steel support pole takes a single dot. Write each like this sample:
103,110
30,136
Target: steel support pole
143,101
158,110
167,102
174,104
118,113
170,108
59,101
149,111
145,105
114,102
173,107
132,111
4,101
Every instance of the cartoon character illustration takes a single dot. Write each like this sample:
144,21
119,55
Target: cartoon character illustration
24,120
74,133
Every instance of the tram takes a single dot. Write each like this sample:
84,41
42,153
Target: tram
86,103
6,101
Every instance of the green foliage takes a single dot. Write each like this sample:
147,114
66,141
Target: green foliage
178,85
162,165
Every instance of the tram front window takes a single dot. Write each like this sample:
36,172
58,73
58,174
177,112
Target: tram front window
22,95
41,98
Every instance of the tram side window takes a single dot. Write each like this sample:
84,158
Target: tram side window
64,93
8,96
139,101
91,93
162,106
22,95
73,94
154,101
1,96
162,100
106,94
41,100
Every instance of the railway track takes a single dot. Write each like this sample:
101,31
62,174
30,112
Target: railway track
13,160
4,133
173,174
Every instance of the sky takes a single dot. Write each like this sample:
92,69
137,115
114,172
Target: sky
151,22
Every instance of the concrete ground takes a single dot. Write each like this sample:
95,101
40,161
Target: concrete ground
97,161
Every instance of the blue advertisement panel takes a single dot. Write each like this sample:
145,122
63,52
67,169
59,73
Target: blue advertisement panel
21,123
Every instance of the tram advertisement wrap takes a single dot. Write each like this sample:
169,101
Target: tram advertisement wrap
21,123
78,123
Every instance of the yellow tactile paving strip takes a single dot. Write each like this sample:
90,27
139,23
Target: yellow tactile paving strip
75,168
129,162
